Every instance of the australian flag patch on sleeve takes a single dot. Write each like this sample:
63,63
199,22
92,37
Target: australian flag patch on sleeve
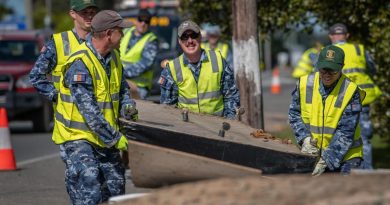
79,77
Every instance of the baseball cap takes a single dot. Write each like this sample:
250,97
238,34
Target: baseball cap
213,30
338,28
144,15
331,57
79,5
188,25
107,19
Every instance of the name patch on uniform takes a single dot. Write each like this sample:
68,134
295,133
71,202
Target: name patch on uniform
79,77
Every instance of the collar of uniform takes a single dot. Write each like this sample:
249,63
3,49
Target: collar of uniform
94,51
203,57
340,42
77,36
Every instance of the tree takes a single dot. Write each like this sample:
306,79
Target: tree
368,22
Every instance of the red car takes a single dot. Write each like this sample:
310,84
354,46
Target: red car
18,53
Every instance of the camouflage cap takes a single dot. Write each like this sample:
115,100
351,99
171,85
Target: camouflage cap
79,5
107,19
188,25
331,57
338,28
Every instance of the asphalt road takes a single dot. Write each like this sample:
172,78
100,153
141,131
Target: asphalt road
40,175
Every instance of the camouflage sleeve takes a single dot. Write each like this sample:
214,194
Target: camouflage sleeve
370,64
294,115
45,63
231,95
229,58
149,53
79,81
342,140
169,89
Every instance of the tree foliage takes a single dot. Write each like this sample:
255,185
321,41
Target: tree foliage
368,22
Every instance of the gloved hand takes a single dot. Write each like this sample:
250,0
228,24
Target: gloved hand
129,112
320,168
309,147
122,143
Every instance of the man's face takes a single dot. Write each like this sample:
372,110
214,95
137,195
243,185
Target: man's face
115,36
334,38
329,76
190,42
213,38
84,17
142,25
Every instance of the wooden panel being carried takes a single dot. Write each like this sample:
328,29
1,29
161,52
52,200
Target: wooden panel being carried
153,166
163,126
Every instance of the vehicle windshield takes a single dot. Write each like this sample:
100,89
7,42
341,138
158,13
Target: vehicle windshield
22,51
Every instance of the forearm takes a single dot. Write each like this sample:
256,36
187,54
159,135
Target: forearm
168,88
230,92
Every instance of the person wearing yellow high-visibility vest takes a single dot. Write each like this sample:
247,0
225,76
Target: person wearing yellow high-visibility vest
359,67
138,52
57,50
307,61
93,94
199,80
324,115
213,35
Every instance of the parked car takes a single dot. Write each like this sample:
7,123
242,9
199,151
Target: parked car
18,53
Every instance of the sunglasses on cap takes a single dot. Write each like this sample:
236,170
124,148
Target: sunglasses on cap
328,71
147,21
191,35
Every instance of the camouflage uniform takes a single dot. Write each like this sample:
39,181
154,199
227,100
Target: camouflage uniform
231,95
93,173
149,53
343,135
44,65
365,122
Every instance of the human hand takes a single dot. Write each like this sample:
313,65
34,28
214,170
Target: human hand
308,147
319,168
129,112
164,63
122,143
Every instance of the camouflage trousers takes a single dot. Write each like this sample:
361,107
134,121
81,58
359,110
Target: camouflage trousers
366,133
92,174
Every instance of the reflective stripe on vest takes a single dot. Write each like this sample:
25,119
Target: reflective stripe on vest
355,70
322,119
221,47
69,123
203,96
134,55
65,43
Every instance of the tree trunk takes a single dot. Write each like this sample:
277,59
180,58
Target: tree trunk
246,60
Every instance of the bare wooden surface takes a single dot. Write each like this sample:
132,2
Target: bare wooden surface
168,118
154,166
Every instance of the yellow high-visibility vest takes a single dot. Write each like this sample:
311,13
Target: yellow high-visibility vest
69,124
205,95
323,118
66,43
134,54
355,69
221,47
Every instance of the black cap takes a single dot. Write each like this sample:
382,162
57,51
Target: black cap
107,19
144,14
338,28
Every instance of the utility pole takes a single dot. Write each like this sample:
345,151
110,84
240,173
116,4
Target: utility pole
246,61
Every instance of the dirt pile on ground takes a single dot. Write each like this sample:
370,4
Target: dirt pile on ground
297,189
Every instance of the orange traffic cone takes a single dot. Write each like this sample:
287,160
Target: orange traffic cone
275,85
7,158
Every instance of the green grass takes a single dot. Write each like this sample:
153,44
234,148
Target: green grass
381,148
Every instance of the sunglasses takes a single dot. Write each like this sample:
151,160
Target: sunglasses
328,71
191,35
147,21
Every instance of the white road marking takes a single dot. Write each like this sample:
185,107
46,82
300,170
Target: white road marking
37,159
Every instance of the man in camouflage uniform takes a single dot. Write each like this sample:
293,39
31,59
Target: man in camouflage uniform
360,68
324,115
92,95
138,52
59,47
201,81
